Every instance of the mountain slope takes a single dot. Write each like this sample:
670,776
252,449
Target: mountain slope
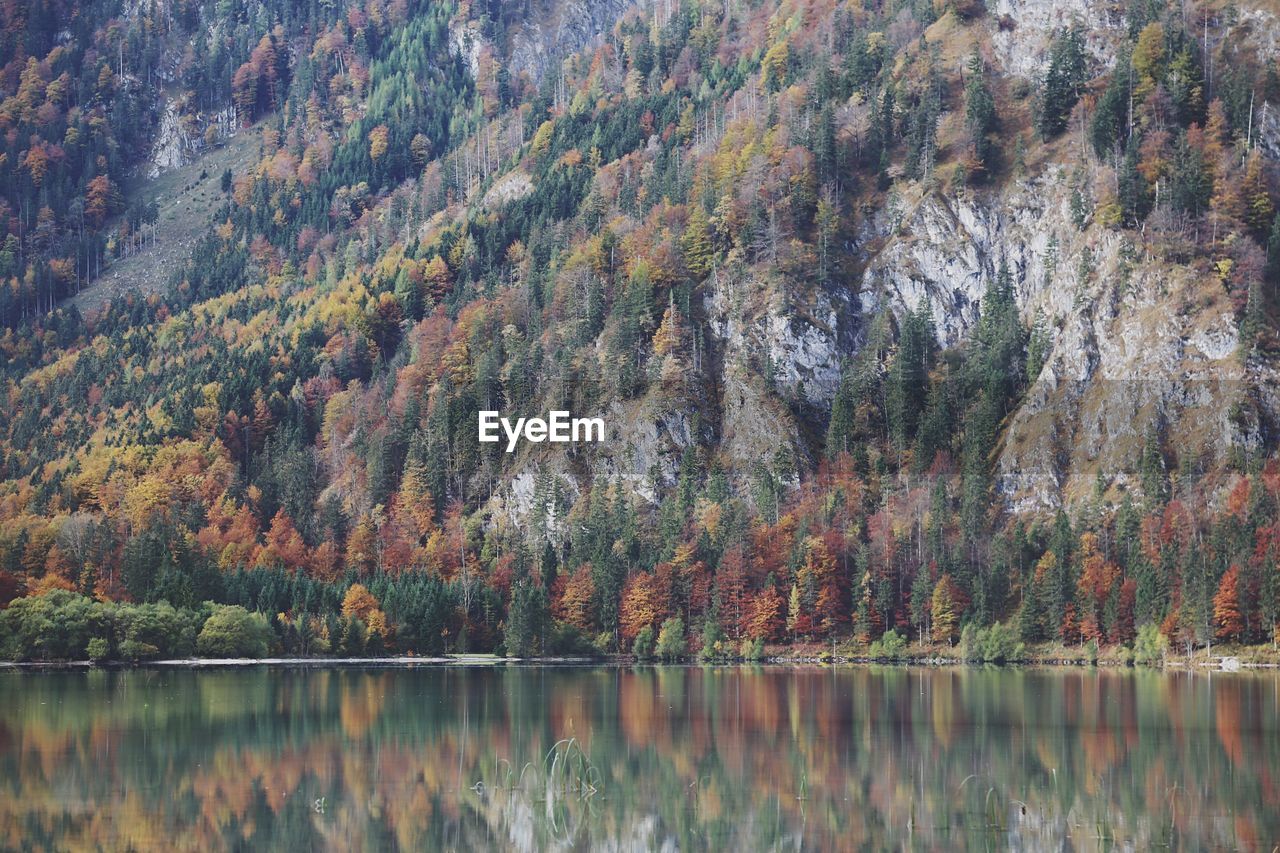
862,299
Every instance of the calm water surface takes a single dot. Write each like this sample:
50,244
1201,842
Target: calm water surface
528,757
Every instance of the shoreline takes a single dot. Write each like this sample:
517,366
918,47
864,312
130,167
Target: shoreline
1194,663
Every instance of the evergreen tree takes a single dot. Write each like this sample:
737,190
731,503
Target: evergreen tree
921,602
1110,121
840,426
1132,193
1155,483
909,376
1063,82
979,114
1191,181
527,620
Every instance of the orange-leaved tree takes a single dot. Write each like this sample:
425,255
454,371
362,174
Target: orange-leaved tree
1226,607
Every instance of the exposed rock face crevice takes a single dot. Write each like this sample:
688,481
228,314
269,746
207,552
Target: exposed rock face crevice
171,146
558,28
1026,27
176,141
1135,342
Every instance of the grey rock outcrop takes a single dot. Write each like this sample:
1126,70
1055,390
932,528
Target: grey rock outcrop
1134,341
558,28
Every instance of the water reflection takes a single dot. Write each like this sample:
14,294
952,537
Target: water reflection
583,757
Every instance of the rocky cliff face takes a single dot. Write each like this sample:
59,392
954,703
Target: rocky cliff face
1133,342
559,28
1023,29
177,140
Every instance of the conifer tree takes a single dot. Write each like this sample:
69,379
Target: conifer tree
921,602
1062,83
979,114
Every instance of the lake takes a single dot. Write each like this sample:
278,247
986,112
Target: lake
741,758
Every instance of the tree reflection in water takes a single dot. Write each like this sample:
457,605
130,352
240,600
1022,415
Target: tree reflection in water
527,757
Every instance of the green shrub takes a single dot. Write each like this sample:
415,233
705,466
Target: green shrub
54,626
566,639
671,643
135,650
752,650
233,632
712,649
891,646
999,644
970,647
149,630
1150,646
98,649
643,646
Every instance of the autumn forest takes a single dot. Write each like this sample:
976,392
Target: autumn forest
271,450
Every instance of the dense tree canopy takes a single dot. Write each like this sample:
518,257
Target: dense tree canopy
288,429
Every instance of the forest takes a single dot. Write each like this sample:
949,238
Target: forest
277,454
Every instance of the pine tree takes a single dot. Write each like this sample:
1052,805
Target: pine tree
527,620
1132,192
909,376
1110,116
827,221
921,129
1152,470
1185,84
1149,597
1259,208
1273,251
840,426
1033,619
1191,181
1251,324
1195,616
979,114
1062,83
731,592
921,602
1038,346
